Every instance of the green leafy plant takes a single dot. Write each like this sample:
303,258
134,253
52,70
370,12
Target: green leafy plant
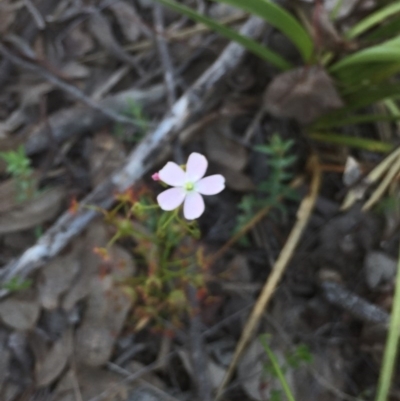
293,360
16,284
165,248
275,188
19,167
134,110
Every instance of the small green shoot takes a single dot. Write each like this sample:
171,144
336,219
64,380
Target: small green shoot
134,111
168,258
293,360
392,345
19,167
275,187
16,284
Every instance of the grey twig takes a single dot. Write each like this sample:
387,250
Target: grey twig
352,303
35,14
139,162
78,120
198,354
57,81
164,54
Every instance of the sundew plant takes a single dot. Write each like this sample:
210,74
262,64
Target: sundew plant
164,235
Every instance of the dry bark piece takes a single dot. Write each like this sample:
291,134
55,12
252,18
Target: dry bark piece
51,366
57,277
304,93
21,311
127,19
107,308
40,209
223,150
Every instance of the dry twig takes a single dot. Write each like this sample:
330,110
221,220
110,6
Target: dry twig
60,83
303,216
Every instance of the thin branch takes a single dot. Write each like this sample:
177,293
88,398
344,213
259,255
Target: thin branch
60,83
164,54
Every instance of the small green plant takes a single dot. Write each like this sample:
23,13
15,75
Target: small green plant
300,356
134,111
19,167
16,284
275,188
164,243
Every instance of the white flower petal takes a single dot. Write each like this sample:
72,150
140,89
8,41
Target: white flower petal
193,206
172,175
196,167
171,198
211,185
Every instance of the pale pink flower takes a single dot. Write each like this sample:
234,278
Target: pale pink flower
188,186
156,177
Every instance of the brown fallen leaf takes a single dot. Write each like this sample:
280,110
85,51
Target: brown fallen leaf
42,208
96,236
127,20
106,311
304,93
106,155
78,43
20,311
58,275
223,150
51,366
236,180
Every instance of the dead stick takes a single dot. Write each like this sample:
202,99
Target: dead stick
303,215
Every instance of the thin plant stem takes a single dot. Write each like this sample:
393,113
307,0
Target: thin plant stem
389,356
277,369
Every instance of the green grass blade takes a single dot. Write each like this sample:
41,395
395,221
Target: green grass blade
250,44
277,368
388,51
386,31
345,140
352,120
391,347
354,78
279,18
372,20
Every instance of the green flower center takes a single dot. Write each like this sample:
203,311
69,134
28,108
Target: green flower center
189,186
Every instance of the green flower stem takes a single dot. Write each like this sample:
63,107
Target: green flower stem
391,347
173,215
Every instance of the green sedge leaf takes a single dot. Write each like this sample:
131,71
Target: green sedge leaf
279,18
250,44
373,19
